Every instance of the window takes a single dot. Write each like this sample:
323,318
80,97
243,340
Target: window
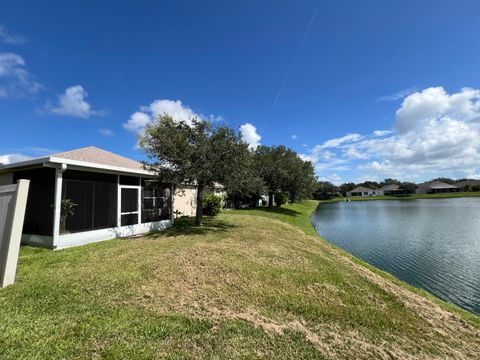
156,204
94,201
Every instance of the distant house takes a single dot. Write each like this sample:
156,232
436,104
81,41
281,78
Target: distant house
469,185
391,189
361,191
436,187
111,196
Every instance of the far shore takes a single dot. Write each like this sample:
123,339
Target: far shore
407,197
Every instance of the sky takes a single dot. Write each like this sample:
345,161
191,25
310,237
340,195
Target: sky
364,89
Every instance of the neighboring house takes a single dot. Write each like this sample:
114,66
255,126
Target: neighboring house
185,200
469,185
361,191
436,187
390,189
113,196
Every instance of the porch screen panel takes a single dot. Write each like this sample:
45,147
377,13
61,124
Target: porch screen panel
156,204
95,199
39,211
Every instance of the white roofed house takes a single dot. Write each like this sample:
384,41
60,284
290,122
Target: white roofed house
109,195
361,191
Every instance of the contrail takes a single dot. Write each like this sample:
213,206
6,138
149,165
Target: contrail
294,60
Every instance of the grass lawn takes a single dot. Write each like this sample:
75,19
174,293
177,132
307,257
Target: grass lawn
250,284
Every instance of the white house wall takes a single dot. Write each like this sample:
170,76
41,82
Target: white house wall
185,201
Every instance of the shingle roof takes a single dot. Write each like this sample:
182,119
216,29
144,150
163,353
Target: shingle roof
436,185
360,189
471,182
94,155
390,187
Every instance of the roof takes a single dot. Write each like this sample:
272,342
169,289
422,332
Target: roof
360,189
470,183
390,187
436,185
88,157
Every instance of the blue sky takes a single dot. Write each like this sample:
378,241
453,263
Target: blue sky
365,89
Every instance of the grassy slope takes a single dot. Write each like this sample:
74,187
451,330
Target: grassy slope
249,284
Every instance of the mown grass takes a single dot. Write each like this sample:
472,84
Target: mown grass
250,284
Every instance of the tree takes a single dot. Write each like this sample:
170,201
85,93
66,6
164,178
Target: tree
389,181
245,183
445,180
197,153
270,165
409,187
282,170
344,188
325,190
369,184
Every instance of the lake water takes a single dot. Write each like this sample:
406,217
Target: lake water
433,244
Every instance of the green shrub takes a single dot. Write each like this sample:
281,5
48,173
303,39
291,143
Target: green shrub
280,198
212,204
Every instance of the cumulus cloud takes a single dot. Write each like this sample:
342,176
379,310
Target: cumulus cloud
15,80
294,136
333,178
179,112
435,133
250,136
9,38
73,103
6,159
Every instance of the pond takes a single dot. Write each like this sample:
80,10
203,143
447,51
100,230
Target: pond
433,244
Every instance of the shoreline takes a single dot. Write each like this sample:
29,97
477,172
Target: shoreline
389,276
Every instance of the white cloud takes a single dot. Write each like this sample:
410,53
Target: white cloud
73,103
436,133
333,143
13,158
333,178
382,132
106,132
174,108
397,95
15,80
9,38
250,136
294,137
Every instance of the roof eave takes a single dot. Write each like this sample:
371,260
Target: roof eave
52,160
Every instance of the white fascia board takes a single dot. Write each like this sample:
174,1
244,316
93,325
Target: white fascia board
24,163
51,161
84,164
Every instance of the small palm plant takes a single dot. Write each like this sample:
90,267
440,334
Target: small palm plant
68,209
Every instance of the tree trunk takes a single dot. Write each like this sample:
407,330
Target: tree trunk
199,214
270,199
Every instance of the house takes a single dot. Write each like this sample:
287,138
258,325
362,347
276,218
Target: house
436,187
361,191
88,195
390,189
469,185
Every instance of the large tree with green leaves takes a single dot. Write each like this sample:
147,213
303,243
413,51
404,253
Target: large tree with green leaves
196,153
282,170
